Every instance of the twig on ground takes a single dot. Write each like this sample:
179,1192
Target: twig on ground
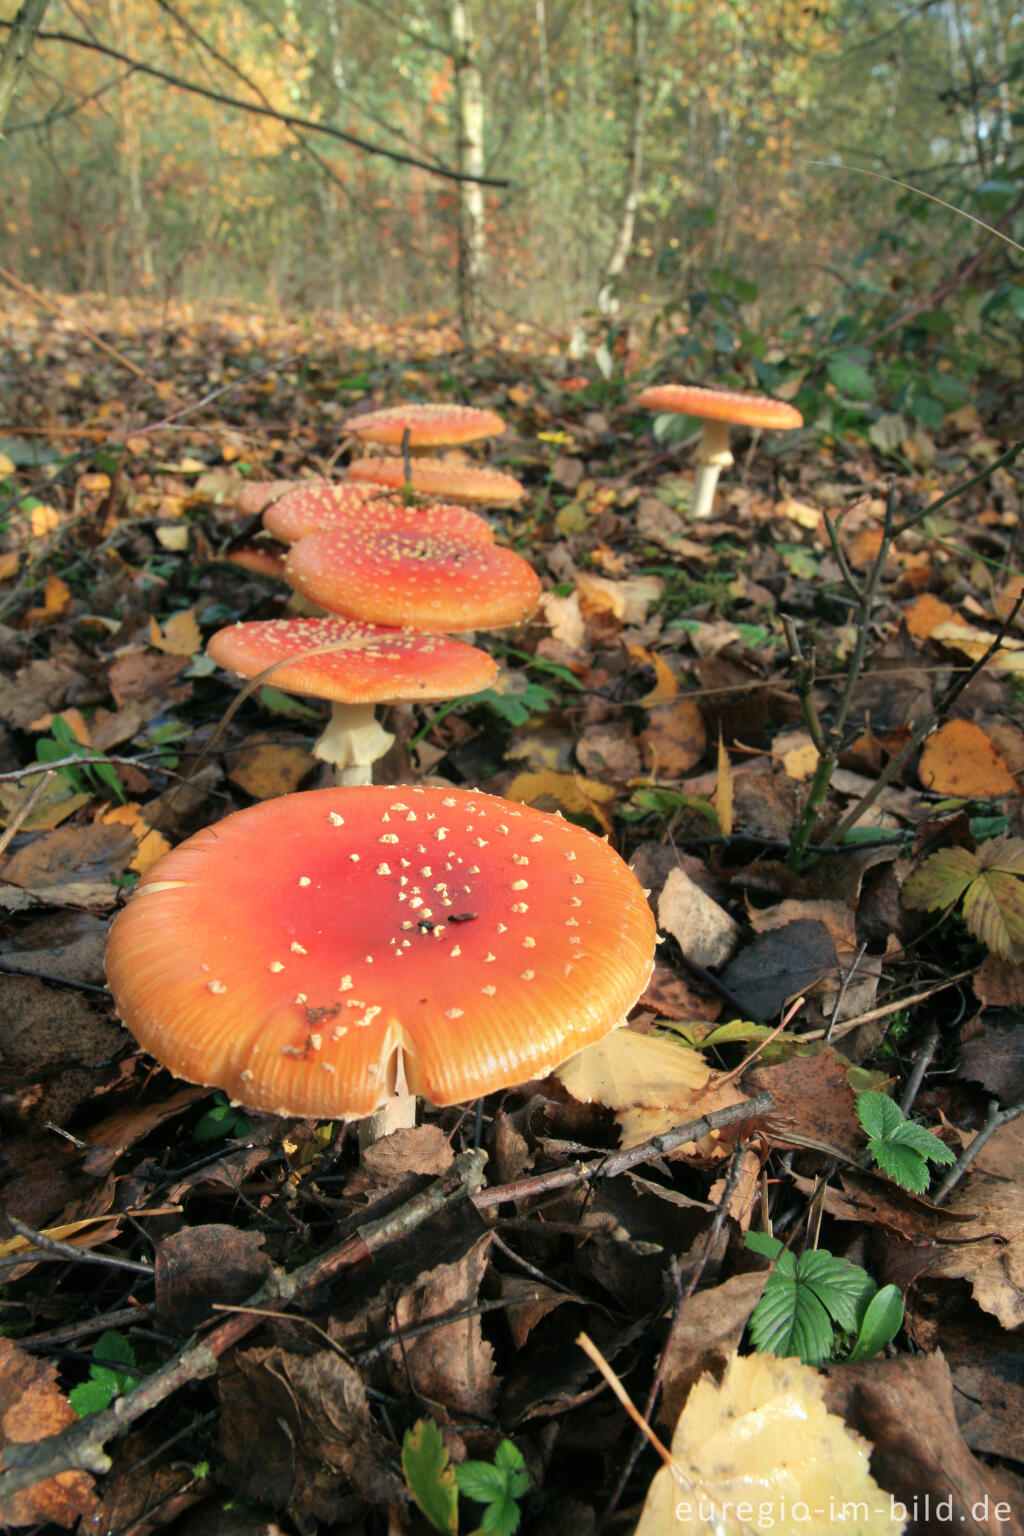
922,1061
81,1446
994,1119
53,1248
829,742
611,1164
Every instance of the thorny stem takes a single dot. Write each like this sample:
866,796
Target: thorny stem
828,742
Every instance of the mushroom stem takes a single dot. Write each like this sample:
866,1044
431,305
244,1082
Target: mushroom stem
713,456
353,741
397,1113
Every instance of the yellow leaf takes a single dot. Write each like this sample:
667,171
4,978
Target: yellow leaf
43,520
9,562
56,601
174,538
723,789
152,845
569,790
63,1234
801,513
666,687
7,466
961,759
751,1453
179,637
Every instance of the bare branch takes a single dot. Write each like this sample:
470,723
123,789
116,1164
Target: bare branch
287,118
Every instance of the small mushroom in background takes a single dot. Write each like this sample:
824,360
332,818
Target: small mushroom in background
256,495
477,485
321,508
721,410
356,667
336,952
407,578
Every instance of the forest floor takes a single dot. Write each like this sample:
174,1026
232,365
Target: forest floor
657,700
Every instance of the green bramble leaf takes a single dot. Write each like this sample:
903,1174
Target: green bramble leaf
803,1298
991,883
430,1477
923,1142
904,1166
496,1486
941,880
105,1381
90,1397
901,1148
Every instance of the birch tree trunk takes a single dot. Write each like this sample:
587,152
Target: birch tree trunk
16,51
123,29
608,297
469,97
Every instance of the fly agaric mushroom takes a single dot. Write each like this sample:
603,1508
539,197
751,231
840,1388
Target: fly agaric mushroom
325,507
471,483
428,426
356,667
403,941
256,495
413,580
720,409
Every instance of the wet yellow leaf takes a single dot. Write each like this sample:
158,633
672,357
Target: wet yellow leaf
752,1452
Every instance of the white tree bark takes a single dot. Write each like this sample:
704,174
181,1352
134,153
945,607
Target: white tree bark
608,298
16,50
469,96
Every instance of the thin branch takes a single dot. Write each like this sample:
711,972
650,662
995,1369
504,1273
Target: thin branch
994,1119
612,1164
81,1446
289,119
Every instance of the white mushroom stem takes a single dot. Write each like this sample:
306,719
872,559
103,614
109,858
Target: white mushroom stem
397,1113
712,457
353,741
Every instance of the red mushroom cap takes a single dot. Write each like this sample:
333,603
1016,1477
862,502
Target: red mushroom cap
290,953
721,405
436,477
429,426
414,580
351,506
352,663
